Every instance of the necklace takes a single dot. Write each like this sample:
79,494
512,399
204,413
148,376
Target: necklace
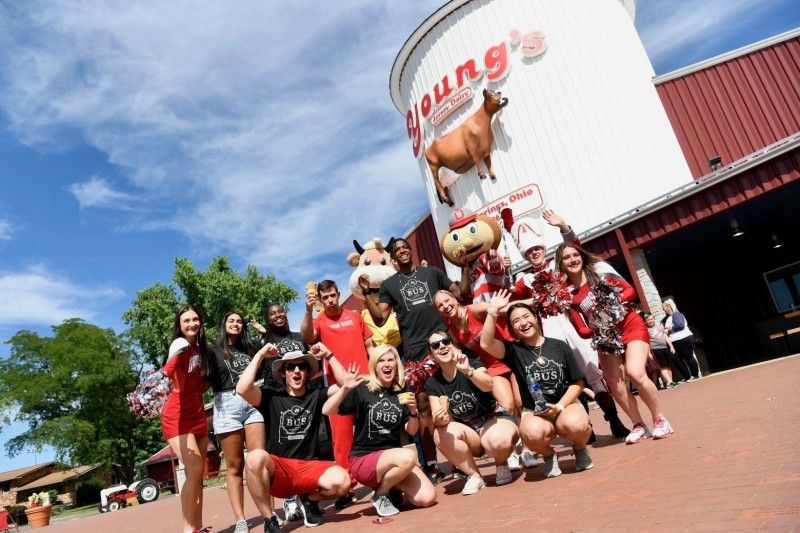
409,276
537,356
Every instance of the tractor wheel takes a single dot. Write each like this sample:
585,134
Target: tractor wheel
147,491
113,505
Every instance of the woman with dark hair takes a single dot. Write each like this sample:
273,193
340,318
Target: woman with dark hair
469,421
235,420
553,381
383,412
183,420
465,323
629,352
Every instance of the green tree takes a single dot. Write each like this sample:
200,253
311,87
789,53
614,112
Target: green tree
70,390
215,291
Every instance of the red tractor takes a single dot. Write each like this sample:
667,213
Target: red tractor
114,498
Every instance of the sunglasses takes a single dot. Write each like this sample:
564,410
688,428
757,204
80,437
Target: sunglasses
290,367
443,342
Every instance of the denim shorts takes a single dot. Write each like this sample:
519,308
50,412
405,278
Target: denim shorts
478,422
232,412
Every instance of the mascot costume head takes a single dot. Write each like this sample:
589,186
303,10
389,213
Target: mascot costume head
372,259
471,243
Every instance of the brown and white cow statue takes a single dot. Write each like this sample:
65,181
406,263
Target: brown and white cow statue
466,146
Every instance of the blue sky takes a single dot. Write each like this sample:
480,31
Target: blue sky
132,133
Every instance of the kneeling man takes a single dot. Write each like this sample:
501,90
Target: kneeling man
290,466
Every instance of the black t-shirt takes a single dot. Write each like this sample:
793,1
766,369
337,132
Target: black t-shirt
554,368
293,422
466,401
289,342
411,295
225,372
380,419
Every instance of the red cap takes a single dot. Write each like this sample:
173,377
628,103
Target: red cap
461,217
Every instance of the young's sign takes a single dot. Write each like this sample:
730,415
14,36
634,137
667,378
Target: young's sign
437,104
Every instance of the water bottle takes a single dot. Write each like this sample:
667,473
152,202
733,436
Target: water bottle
539,401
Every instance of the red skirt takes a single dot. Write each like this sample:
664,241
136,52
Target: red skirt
184,413
634,329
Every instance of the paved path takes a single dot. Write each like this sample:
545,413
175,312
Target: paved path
733,464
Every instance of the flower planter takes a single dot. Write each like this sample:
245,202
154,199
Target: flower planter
39,516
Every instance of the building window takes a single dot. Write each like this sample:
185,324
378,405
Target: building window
784,286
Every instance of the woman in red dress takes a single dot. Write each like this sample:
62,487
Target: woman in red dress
578,265
183,420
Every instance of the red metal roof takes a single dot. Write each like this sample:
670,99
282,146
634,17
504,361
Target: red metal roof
724,195
737,106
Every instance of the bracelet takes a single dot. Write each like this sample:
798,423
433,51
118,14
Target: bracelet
471,372
329,356
412,415
560,407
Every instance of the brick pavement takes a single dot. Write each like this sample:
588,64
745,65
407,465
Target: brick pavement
733,464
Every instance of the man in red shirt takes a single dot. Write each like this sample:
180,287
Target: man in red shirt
345,334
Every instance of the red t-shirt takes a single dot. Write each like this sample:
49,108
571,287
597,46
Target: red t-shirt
344,336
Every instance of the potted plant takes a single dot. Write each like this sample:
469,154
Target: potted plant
39,509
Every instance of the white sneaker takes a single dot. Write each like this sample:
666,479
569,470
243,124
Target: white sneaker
241,527
662,428
638,434
513,463
503,475
474,484
528,459
291,511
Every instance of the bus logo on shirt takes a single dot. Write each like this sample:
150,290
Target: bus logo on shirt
294,424
463,404
415,292
383,416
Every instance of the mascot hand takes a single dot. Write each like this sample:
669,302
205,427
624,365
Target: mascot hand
460,255
494,261
363,282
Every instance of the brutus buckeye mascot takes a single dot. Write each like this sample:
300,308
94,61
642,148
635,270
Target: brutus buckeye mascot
471,243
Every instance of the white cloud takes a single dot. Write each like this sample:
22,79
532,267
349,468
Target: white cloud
6,230
36,296
261,132
97,192
686,32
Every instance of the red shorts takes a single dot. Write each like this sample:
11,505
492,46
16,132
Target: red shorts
364,468
184,413
296,476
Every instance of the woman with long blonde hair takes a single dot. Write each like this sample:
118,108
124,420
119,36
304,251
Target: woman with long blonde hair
382,412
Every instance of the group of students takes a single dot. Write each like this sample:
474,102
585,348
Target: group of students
491,378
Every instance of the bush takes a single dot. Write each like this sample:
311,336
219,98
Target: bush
18,513
89,491
53,494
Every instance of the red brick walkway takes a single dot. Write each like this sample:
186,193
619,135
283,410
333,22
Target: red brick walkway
733,464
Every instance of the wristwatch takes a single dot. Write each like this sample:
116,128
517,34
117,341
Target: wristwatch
328,356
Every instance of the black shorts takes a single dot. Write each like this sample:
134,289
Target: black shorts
663,356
